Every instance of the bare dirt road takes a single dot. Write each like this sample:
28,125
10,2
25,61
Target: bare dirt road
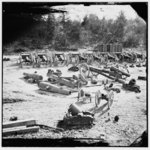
49,108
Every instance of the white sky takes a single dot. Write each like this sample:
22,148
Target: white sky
77,12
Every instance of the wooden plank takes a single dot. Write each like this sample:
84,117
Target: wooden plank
19,130
14,128
29,122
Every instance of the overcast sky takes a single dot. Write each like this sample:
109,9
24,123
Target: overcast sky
77,12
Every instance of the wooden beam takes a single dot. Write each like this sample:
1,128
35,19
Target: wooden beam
19,130
29,122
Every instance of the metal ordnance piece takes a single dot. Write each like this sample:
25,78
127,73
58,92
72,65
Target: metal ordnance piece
25,59
131,86
55,77
33,78
100,96
41,59
45,86
116,74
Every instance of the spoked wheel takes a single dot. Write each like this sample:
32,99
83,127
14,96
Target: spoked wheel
84,70
124,68
97,98
134,58
110,98
75,60
90,60
97,60
65,60
121,58
20,62
68,59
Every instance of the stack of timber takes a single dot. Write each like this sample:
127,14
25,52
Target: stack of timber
19,127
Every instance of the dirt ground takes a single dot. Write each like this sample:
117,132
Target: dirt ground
49,108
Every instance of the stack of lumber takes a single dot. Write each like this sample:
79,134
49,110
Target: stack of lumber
19,127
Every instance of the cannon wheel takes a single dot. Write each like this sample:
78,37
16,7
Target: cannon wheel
90,60
134,58
98,62
20,62
50,60
65,59
84,70
121,58
97,98
68,59
105,58
110,98
76,61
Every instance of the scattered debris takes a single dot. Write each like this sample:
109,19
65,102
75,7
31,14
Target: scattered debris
110,87
73,68
13,118
138,65
11,100
142,78
132,66
116,119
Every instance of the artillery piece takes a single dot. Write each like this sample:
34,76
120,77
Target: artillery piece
73,58
113,73
41,59
129,57
140,57
131,86
33,78
88,57
76,58
71,82
55,78
100,96
97,58
25,59
112,57
59,59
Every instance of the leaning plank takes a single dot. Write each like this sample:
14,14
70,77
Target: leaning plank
28,122
19,130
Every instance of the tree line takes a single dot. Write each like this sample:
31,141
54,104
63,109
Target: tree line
63,32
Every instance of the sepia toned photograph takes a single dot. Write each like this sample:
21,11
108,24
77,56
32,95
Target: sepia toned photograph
74,74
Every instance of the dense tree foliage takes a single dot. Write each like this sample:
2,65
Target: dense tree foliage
63,32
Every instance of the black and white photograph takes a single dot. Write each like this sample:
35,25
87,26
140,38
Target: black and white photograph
74,74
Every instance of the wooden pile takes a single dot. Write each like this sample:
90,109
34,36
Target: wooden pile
19,127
